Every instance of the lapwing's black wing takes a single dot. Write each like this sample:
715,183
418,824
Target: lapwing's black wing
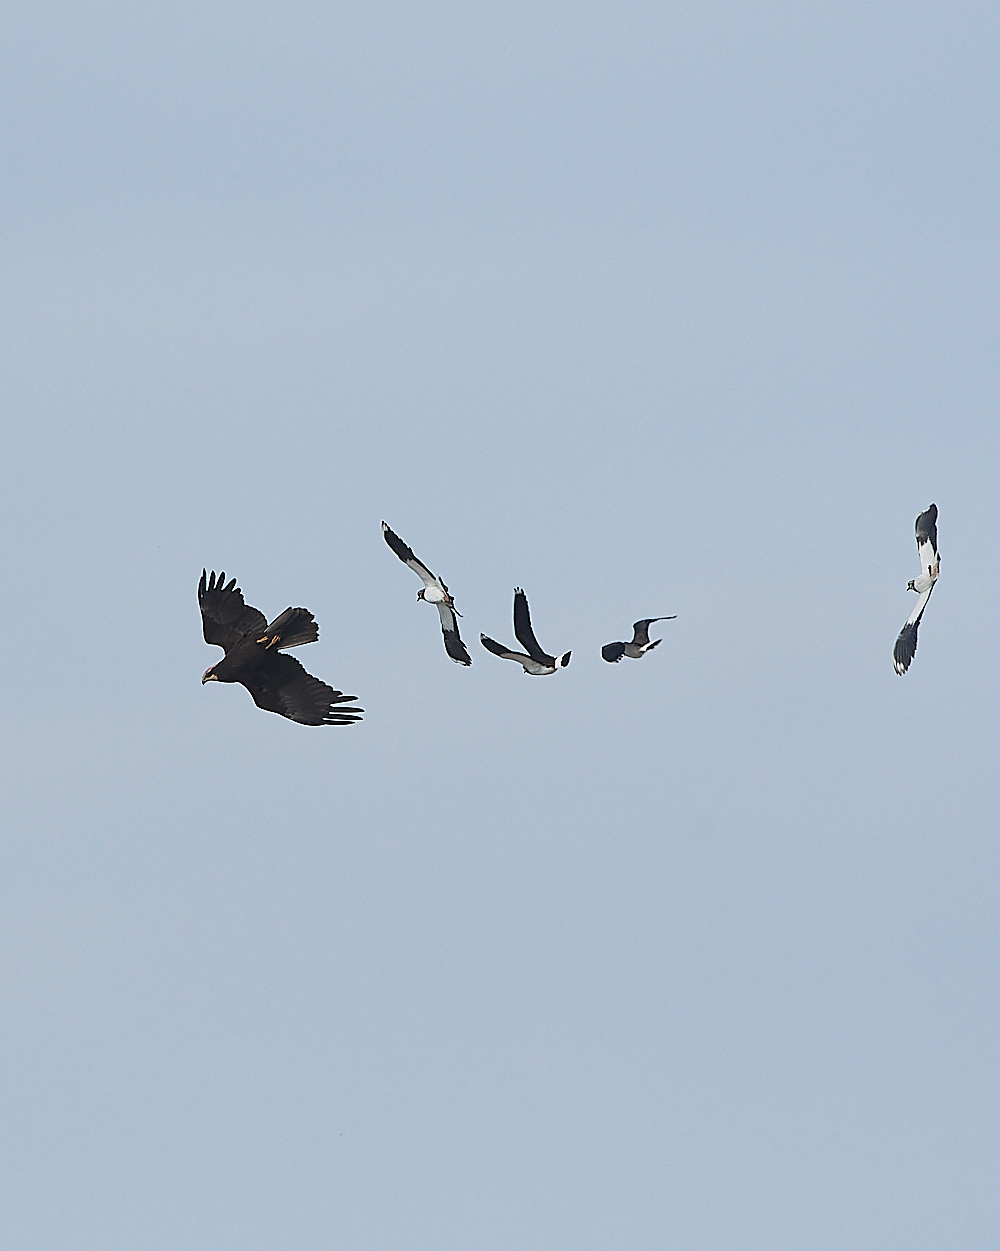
498,649
523,631
640,629
926,531
906,645
453,644
405,554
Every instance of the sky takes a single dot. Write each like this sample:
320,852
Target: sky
649,309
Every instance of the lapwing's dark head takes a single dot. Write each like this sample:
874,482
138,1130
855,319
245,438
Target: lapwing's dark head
910,586
420,593
209,675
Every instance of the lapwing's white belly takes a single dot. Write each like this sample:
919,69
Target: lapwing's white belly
923,583
535,669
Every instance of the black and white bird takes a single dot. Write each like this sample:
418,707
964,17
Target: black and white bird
640,645
930,567
434,592
536,662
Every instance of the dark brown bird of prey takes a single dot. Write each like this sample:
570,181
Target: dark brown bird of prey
255,659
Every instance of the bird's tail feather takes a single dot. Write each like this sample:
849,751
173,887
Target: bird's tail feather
293,627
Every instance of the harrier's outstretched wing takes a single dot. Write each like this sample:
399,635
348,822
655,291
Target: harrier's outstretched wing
453,644
281,685
225,617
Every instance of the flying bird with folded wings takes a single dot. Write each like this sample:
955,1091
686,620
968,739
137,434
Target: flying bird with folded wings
255,657
930,566
433,592
534,660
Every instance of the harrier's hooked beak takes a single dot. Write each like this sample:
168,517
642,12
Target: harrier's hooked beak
209,676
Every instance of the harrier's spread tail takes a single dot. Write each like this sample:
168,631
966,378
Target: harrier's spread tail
292,628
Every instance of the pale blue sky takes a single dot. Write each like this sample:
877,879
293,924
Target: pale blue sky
649,309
